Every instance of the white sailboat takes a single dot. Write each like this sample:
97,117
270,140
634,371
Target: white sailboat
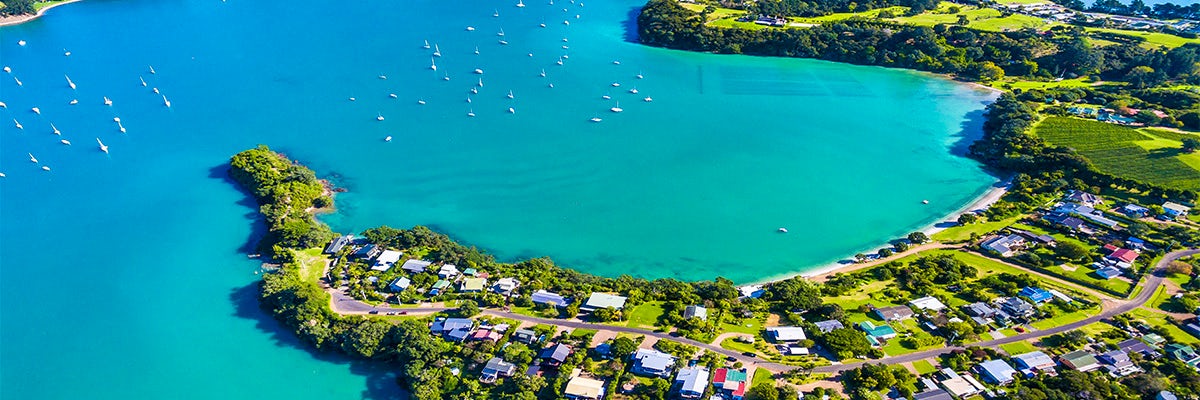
143,81
480,82
512,110
18,124
432,64
510,94
617,108
379,117
36,110
501,33
383,77
446,77
470,113
476,49
468,98
155,90
436,51
65,141
45,168
639,75
616,84
426,46
392,95
470,28
18,81
474,91
606,97
543,74
633,91
73,102
107,101
56,132
166,102
504,42
2,105
520,4
648,99
596,119
152,70
69,83
102,146
559,62
32,159
421,102
496,13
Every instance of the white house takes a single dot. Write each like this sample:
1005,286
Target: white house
506,285
386,260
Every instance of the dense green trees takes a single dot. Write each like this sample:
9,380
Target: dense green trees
16,7
287,194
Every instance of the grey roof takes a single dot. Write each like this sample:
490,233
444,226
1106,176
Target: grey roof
1005,244
604,300
786,333
1034,359
692,379
415,266
826,326
338,243
544,297
694,311
933,394
1137,346
997,371
653,360
980,309
558,352
497,366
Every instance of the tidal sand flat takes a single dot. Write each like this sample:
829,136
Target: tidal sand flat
693,184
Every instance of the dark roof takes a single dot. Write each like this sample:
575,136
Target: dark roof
826,326
935,394
558,352
1137,346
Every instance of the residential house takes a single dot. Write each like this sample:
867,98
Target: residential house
1134,211
881,332
506,286
751,291
980,309
1016,307
996,371
695,311
1005,246
448,271
1182,352
415,266
1108,272
933,394
1175,210
1131,346
439,287
1080,360
927,303
338,243
1120,256
386,260
1035,295
1165,395
732,382
551,298
1154,340
786,334
1084,198
1118,363
470,272
400,284
580,388
472,285
555,355
826,326
367,252
489,335
455,329
1100,220
495,368
958,385
691,382
1033,362
650,362
527,336
602,300
893,313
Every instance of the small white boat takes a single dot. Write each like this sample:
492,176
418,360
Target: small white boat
426,46
510,94
155,90
615,84
152,70
7,69
566,22
2,105
468,98
117,119
102,146
559,62
383,77
32,159
543,74
107,101
565,47
18,81
470,113
520,4
65,141
436,51
648,99
432,64
73,102
566,57
615,62
122,127
501,33
542,24
2,175
56,132
480,82
143,81
18,124
392,95
69,83
446,77
924,201
531,54
606,97
166,102
379,117
596,119
420,102
470,28
20,43
36,110
387,139
633,91
564,40
617,108
45,168
496,13
474,91
639,75
503,42
66,53
353,99
783,230
511,110
551,85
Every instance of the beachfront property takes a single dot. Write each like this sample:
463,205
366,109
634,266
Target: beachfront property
367,252
690,382
1084,198
415,266
386,260
1080,360
1173,210
505,286
1034,362
495,368
751,291
448,271
602,300
650,362
400,284
731,382
829,325
554,356
996,371
548,298
472,285
1035,295
580,388
927,303
1004,246
338,243
694,311
453,329
892,313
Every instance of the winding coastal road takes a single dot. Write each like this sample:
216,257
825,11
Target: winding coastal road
344,304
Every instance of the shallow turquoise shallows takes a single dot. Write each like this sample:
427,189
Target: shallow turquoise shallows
124,275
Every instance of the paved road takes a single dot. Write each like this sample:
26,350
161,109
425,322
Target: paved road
346,305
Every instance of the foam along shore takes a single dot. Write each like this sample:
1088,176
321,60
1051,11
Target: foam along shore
985,200
19,19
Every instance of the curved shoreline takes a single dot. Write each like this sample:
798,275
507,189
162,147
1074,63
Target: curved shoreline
20,19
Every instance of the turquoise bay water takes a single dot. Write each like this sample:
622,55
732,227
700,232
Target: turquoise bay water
124,276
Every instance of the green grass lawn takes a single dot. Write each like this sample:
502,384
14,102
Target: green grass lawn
1153,39
731,344
893,347
762,376
924,367
750,326
1156,319
1160,298
1018,348
1114,149
1061,319
1084,275
1015,83
645,314
312,263
578,333
962,233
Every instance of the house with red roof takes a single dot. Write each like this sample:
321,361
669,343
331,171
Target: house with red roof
731,381
1123,255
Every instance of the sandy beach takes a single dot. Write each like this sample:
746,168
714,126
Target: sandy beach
17,19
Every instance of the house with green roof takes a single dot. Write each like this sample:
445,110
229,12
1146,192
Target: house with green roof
881,332
439,287
1154,339
472,285
1079,360
1183,352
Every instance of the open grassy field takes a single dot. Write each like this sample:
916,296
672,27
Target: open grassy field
924,367
731,344
1153,39
963,232
1115,150
312,263
761,375
1017,348
1016,83
1160,320
645,314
